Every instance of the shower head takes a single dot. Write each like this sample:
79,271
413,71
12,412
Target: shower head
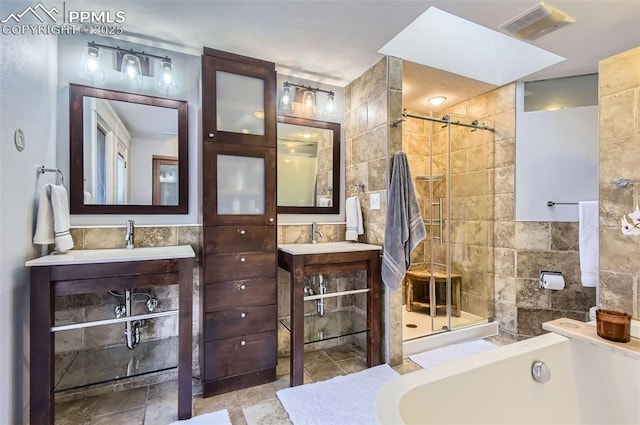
397,122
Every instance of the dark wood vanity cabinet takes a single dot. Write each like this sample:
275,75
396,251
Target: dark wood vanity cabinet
239,343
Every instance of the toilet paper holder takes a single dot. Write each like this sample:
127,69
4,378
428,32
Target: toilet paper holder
551,280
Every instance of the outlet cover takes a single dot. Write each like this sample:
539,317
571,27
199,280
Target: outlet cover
374,201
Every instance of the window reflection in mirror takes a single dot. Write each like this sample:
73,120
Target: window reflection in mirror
128,153
308,166
120,141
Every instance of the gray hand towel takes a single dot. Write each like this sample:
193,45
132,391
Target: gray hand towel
404,228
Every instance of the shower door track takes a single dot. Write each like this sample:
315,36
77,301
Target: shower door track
446,121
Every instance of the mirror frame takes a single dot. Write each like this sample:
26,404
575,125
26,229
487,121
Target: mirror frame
76,144
335,199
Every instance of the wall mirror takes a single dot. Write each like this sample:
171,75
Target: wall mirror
128,153
308,166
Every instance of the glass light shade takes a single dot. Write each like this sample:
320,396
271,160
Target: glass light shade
309,102
330,107
91,65
131,69
286,100
166,74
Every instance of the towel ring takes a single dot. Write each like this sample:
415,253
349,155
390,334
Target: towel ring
43,170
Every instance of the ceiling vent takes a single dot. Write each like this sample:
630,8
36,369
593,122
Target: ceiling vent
536,22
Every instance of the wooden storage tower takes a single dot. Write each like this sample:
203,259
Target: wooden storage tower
239,343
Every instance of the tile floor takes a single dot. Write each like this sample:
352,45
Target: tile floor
156,404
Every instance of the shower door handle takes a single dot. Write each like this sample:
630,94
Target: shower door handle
440,220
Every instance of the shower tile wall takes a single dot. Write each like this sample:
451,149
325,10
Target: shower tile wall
372,101
619,124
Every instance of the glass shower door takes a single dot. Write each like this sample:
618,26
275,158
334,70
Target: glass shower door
469,217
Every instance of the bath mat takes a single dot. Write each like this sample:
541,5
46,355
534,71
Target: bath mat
451,352
345,400
221,417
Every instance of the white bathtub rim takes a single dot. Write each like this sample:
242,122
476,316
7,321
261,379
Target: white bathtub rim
387,402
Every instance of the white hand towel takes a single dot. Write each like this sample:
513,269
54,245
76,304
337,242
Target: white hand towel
53,218
44,220
355,225
61,222
588,242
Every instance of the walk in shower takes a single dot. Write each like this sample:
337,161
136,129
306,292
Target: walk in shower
450,284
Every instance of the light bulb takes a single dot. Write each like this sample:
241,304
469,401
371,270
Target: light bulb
330,107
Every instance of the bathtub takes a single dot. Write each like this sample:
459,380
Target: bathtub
591,383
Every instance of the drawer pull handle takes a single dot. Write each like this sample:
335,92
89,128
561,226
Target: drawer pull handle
242,232
211,135
242,287
243,315
270,219
242,342
242,260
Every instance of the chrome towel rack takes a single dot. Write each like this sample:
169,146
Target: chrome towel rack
552,203
43,170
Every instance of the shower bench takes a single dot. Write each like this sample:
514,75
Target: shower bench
90,271
429,299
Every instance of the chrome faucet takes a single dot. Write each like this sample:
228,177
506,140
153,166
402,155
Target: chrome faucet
129,238
315,232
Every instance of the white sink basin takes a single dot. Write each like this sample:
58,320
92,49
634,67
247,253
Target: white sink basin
88,256
326,247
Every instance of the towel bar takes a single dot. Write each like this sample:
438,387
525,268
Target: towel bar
43,170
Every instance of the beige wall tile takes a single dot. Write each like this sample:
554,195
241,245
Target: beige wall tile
616,117
530,263
618,252
616,292
532,235
564,236
156,236
104,237
619,73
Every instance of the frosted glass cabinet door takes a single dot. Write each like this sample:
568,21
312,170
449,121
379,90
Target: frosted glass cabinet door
239,103
241,188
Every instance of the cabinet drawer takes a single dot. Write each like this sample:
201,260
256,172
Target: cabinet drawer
239,321
222,296
230,239
239,355
223,268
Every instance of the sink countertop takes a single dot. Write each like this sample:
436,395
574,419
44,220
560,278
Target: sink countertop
326,247
115,255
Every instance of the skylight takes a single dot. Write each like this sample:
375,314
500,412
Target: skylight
444,41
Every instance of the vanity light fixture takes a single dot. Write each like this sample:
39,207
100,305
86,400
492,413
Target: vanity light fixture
437,100
306,96
133,64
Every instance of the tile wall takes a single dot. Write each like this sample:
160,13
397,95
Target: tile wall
619,124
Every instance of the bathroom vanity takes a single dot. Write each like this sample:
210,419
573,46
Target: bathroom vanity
305,260
90,271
